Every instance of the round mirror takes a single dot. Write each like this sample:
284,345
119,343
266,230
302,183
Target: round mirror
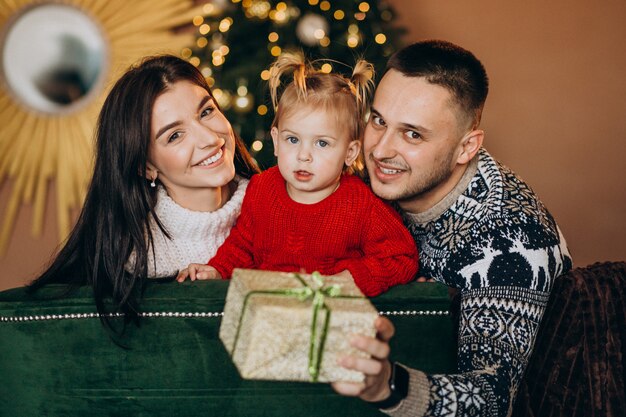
52,58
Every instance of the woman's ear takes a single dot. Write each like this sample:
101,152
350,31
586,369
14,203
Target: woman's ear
354,147
469,146
274,133
151,172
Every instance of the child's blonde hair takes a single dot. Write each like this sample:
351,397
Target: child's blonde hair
346,98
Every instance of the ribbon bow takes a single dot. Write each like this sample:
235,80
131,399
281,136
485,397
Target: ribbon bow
317,293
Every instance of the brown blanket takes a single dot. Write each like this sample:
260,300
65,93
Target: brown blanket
577,367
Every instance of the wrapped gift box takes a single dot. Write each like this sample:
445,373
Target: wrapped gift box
274,331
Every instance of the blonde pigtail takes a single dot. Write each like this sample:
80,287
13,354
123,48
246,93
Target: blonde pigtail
285,63
363,81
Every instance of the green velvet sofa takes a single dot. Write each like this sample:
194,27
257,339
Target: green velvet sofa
56,359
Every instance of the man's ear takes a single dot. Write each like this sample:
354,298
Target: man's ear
274,133
469,146
353,152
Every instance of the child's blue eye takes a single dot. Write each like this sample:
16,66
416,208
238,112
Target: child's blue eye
292,139
322,143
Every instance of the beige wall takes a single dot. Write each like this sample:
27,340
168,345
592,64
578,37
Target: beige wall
557,103
555,113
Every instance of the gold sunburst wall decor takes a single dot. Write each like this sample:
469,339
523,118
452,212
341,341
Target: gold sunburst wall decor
58,59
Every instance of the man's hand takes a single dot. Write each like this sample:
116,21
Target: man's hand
198,271
377,369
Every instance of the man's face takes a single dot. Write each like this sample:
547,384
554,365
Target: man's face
412,141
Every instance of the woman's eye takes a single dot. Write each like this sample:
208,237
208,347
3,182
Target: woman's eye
292,139
207,111
173,137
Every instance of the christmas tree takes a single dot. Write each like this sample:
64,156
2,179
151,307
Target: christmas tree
239,39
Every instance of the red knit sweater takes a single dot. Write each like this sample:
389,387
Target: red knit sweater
349,230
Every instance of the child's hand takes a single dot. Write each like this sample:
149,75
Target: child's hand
198,271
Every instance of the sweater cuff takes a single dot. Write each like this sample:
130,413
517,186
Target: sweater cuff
221,269
362,277
416,403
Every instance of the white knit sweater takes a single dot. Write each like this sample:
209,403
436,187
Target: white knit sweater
195,236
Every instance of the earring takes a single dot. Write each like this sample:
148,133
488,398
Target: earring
153,184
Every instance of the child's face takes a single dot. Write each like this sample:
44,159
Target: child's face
312,150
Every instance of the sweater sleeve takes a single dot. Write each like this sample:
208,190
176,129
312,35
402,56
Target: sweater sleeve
495,342
236,251
501,308
389,251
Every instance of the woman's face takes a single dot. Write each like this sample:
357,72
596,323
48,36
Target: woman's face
193,145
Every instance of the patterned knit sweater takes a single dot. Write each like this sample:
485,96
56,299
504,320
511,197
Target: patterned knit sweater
195,235
349,230
495,241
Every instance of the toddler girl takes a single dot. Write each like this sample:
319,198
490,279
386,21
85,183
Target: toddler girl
310,213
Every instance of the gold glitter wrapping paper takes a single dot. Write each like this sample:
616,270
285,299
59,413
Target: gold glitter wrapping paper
275,335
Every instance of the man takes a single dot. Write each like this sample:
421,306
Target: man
479,228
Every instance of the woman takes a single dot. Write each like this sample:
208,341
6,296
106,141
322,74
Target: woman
164,191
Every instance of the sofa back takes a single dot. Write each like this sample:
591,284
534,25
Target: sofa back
56,359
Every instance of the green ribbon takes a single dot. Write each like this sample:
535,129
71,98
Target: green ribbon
317,294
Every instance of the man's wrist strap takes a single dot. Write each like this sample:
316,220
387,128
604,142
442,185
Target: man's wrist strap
398,385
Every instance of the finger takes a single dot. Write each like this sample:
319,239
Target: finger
182,275
351,389
192,272
384,329
202,275
376,348
365,365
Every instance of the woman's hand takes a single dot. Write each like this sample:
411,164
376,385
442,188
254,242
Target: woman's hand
377,369
198,271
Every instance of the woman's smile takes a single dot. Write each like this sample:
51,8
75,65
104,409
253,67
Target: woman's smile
211,160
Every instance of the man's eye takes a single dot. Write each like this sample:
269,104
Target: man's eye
292,139
411,134
377,120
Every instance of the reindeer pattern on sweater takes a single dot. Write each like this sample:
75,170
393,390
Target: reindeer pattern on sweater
496,242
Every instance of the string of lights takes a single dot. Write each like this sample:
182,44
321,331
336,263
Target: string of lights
237,40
